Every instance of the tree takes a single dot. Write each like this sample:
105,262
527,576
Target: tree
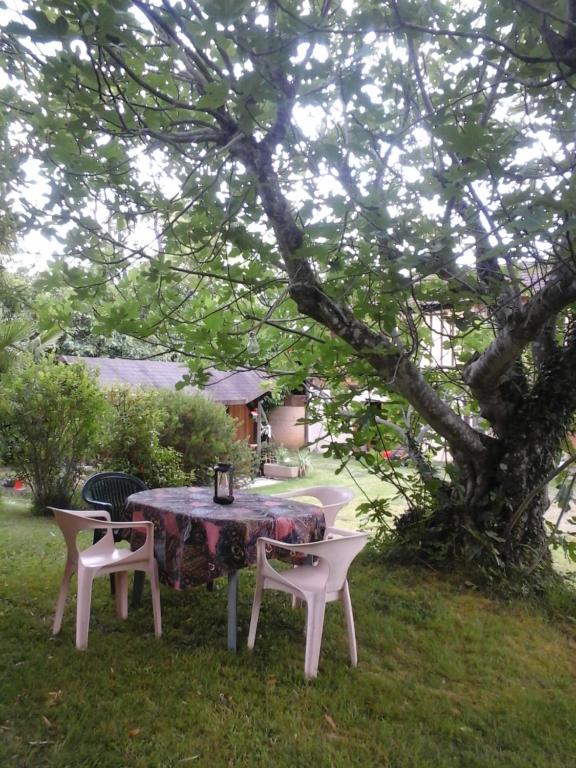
50,417
328,176
21,333
78,338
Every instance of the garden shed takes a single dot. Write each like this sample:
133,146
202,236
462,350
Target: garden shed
239,391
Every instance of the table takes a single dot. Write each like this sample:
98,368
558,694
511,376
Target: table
197,540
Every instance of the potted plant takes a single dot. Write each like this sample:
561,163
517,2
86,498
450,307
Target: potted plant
283,468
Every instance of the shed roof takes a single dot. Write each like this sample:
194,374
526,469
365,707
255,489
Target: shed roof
226,387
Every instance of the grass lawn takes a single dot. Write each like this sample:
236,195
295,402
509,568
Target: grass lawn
447,677
323,472
367,487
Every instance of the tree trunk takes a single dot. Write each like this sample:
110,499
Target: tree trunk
491,516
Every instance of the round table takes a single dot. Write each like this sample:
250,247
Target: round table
197,540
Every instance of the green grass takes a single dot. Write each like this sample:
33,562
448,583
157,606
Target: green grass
447,678
323,471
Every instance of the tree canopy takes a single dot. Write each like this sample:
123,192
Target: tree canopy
332,178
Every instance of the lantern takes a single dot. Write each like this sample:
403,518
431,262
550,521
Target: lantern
223,483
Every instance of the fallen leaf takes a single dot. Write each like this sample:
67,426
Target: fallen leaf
271,682
330,721
54,697
134,732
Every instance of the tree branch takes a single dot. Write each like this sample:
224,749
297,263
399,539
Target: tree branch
523,326
385,357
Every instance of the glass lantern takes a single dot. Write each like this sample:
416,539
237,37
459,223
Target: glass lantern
223,483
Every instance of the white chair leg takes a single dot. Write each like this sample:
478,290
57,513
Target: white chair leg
347,603
255,613
61,601
121,594
316,605
83,603
156,609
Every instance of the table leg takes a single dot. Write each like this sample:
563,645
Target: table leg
138,588
232,609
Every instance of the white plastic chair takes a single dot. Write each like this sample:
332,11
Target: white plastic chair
322,582
331,498
100,559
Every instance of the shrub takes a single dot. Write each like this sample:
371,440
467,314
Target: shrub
131,443
203,433
51,418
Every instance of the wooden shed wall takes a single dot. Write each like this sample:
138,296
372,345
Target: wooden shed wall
244,422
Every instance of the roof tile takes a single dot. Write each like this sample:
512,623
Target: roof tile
226,387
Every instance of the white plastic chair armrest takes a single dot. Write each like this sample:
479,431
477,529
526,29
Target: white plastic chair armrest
90,514
132,524
94,514
341,533
148,525
263,562
115,524
283,576
283,544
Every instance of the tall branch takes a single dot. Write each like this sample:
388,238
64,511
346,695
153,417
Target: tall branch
523,327
387,359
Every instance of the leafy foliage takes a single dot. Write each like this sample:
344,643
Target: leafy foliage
12,332
51,418
378,194
131,443
81,340
20,328
203,433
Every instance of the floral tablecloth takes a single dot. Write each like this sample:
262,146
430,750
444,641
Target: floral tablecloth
197,540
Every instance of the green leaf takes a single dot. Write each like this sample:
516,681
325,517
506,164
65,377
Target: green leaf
46,29
215,95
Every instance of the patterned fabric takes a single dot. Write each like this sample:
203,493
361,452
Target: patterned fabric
197,540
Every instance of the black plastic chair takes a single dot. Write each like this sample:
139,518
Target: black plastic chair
109,491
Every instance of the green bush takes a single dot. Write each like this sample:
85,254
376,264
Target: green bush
131,442
51,417
203,433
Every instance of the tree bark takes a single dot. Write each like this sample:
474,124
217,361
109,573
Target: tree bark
474,518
